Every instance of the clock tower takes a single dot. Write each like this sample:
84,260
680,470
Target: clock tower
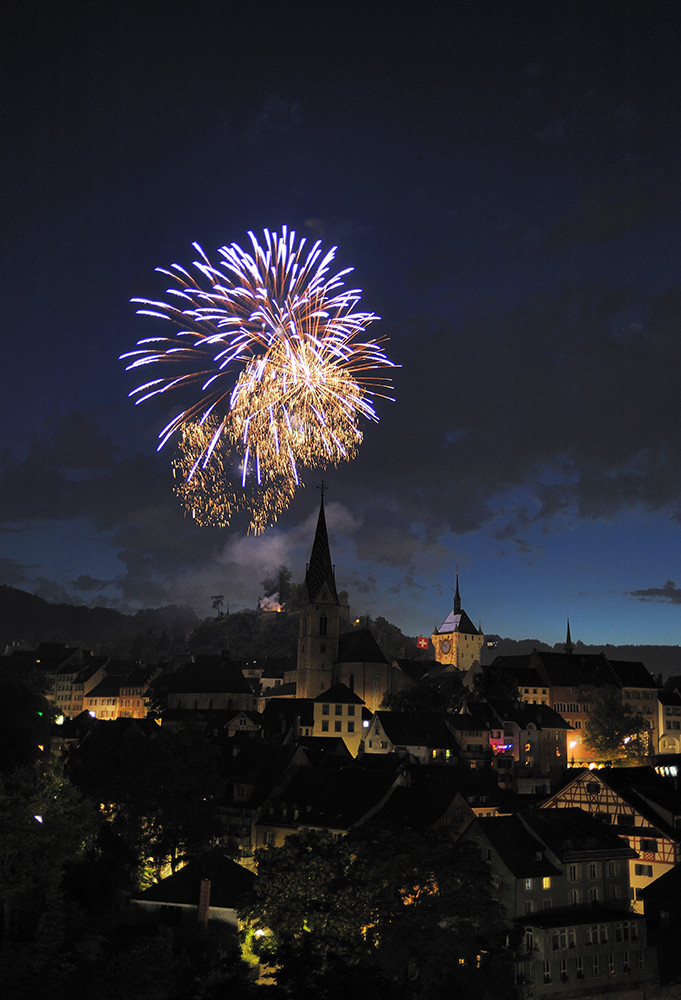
458,643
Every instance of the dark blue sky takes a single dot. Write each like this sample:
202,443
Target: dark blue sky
503,177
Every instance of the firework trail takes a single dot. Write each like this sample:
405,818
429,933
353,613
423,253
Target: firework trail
273,352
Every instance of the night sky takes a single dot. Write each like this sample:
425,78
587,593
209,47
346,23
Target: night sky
503,177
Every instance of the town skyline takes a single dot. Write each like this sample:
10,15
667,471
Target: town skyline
504,183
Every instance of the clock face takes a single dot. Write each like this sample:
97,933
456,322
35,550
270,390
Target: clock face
445,645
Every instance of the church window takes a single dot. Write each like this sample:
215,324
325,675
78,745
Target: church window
323,625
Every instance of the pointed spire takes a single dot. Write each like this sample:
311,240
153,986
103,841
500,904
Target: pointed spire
568,641
457,597
320,569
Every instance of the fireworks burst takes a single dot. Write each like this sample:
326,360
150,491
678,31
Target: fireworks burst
277,349
209,491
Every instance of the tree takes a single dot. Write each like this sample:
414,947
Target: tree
443,693
392,640
613,730
393,907
162,820
25,720
44,825
493,683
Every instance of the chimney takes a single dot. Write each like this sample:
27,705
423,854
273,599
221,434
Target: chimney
204,902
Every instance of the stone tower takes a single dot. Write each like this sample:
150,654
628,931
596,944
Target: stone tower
457,641
320,618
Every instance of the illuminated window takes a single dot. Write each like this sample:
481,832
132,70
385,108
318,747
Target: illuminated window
546,882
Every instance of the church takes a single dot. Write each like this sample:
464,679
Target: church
329,652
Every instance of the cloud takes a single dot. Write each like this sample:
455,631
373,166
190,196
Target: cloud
602,215
278,115
669,594
13,573
85,582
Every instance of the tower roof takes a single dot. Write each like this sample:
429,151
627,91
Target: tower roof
320,569
457,620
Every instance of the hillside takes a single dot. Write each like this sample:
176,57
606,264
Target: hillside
28,620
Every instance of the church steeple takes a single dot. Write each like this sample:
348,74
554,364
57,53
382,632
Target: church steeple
320,617
320,569
568,641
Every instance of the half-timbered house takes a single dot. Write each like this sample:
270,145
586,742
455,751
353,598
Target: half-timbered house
641,806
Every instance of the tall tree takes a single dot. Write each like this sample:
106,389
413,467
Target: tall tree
494,683
159,790
44,824
394,907
443,693
613,730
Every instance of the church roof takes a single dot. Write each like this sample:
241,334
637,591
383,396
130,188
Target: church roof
320,568
359,646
